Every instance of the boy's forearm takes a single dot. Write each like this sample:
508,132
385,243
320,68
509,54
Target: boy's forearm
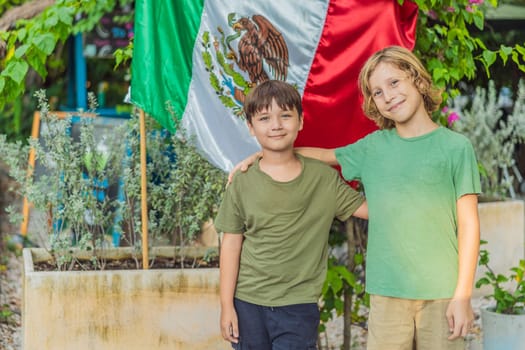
468,244
229,267
325,155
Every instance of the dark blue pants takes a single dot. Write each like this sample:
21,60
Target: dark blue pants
291,327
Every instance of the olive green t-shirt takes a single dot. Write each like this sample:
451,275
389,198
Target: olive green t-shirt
285,226
411,186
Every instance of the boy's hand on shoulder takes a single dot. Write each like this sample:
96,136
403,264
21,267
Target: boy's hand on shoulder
460,317
244,165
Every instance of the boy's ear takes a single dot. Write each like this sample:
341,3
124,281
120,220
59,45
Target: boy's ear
301,122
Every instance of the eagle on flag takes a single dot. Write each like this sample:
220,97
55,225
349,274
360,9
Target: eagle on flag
261,44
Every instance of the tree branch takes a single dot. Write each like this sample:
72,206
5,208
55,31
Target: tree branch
25,11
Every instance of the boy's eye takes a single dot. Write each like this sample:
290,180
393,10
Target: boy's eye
376,93
286,115
394,82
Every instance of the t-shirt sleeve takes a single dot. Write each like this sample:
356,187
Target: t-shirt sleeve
229,217
466,172
350,158
347,199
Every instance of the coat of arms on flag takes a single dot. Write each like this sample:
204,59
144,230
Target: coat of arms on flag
253,46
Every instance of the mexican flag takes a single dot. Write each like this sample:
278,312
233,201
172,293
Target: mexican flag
197,59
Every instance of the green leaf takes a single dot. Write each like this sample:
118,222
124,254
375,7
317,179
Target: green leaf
504,56
507,50
477,42
479,20
439,73
21,50
339,306
16,70
516,60
2,84
520,49
45,43
22,32
51,21
359,259
346,275
455,73
501,279
453,34
337,285
434,63
37,60
482,281
490,275
489,57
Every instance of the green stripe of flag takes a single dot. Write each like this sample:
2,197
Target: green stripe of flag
161,69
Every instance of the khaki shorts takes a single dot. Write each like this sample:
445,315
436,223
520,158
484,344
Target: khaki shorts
405,324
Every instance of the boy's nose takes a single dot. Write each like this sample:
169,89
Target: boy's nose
276,123
388,95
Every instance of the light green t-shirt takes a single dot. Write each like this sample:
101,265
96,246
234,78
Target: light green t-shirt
411,186
285,226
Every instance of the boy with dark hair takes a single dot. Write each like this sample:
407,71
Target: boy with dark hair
275,220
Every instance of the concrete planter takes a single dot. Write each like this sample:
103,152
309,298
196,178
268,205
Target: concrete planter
502,225
120,309
502,331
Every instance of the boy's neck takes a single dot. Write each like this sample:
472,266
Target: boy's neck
410,130
280,166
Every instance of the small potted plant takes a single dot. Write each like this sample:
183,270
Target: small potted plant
503,322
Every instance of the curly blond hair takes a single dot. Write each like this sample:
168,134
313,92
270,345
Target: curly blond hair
406,61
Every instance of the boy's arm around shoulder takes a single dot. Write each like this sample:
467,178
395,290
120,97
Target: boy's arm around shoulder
362,211
348,201
325,155
243,165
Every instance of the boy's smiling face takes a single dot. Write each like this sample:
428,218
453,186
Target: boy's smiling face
276,129
395,95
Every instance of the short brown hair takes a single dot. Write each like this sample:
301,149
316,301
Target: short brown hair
286,96
406,61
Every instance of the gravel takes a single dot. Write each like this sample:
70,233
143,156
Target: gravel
10,299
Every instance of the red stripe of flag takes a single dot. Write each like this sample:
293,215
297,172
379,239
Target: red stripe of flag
353,31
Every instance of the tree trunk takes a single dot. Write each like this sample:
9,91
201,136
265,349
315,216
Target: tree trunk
356,231
347,319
